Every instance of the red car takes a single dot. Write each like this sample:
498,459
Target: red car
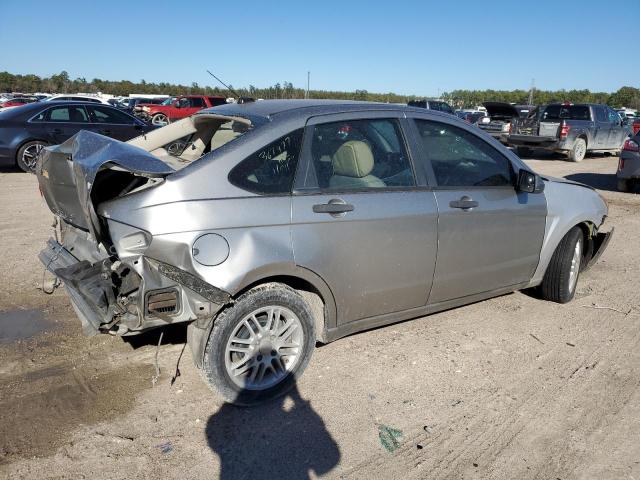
179,107
635,124
16,102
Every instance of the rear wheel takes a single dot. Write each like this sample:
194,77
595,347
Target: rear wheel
28,154
560,279
623,185
578,151
260,345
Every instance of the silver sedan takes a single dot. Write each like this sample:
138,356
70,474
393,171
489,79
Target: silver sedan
274,225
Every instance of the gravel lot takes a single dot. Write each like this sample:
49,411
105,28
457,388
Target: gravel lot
512,387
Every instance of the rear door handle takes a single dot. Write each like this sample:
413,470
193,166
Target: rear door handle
465,203
57,130
334,207
106,132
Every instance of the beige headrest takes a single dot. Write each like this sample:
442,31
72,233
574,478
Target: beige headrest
353,159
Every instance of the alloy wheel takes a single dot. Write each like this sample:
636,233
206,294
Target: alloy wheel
30,155
264,348
575,265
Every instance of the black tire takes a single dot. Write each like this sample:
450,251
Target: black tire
214,368
523,152
579,150
556,285
623,185
22,161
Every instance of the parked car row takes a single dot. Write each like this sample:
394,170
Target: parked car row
570,129
24,131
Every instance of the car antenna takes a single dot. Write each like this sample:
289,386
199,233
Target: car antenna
225,85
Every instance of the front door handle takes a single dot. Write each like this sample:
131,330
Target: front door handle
334,207
106,132
57,131
465,203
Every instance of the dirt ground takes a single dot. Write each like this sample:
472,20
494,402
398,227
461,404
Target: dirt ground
512,387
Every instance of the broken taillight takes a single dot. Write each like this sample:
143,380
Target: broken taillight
631,146
564,130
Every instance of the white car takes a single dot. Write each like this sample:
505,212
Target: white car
76,98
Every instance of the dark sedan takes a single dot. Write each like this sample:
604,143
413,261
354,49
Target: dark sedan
25,130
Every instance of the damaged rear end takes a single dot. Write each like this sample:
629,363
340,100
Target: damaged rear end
113,286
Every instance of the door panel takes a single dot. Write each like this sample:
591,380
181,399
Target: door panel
601,137
489,235
493,245
377,258
360,218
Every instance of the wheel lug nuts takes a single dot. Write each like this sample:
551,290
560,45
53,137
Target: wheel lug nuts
273,353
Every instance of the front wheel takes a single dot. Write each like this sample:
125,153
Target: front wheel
560,279
578,151
160,120
28,155
260,345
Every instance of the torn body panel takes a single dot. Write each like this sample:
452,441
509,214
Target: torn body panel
130,295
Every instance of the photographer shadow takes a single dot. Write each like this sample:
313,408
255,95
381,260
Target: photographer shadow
282,439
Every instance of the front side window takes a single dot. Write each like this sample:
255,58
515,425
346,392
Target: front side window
461,159
614,118
109,115
358,154
271,169
68,114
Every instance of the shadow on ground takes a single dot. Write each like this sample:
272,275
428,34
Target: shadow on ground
601,181
171,335
283,439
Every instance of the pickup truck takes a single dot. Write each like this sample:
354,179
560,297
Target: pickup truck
500,116
572,129
177,108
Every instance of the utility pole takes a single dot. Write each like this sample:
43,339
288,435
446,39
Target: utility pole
531,90
306,95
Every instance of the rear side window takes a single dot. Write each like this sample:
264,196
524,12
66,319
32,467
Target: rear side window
461,159
67,114
600,113
271,169
358,154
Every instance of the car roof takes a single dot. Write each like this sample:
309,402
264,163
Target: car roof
272,109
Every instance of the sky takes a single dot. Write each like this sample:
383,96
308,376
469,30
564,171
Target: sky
408,47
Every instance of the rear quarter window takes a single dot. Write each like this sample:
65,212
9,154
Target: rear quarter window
270,170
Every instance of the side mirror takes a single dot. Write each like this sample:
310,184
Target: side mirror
529,182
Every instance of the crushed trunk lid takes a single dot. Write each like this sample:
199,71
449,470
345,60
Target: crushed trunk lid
67,175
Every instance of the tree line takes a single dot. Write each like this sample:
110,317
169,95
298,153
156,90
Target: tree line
62,83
